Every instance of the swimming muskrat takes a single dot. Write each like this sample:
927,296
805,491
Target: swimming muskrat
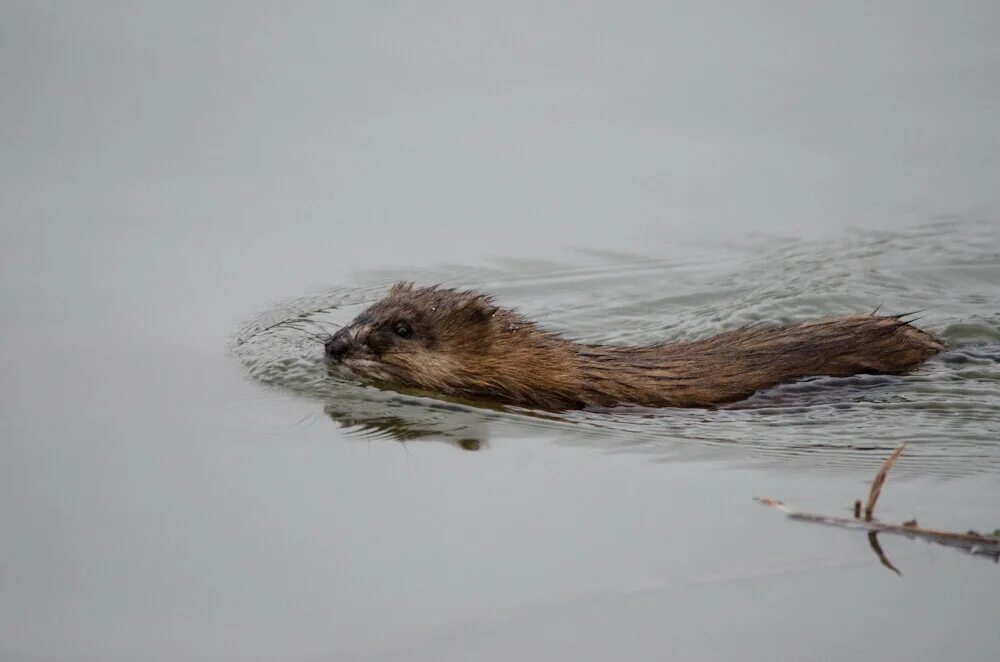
461,343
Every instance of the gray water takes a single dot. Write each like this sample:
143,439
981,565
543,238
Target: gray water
178,483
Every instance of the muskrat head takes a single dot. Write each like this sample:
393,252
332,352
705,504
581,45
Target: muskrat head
427,337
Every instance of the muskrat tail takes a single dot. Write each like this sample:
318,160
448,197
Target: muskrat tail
836,346
922,345
888,344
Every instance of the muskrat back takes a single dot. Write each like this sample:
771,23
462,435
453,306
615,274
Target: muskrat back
462,343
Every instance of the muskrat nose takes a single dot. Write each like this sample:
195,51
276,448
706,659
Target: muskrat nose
337,346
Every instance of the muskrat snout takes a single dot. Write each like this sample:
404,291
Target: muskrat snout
337,346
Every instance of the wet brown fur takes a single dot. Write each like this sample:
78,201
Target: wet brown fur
463,344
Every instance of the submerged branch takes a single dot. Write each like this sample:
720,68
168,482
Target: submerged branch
972,542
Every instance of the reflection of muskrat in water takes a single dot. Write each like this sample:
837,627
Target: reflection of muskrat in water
461,343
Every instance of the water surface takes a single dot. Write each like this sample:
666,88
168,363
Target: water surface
947,411
177,485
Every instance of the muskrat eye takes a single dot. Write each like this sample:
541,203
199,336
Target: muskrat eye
402,329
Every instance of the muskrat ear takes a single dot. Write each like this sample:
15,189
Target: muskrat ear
479,309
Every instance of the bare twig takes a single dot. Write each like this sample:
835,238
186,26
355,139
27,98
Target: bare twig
971,541
876,488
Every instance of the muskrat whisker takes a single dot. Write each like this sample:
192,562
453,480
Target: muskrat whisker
301,317
321,340
318,325
284,322
289,324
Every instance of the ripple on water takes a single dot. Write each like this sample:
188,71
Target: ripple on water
948,411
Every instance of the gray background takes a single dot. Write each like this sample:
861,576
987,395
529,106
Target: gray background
168,168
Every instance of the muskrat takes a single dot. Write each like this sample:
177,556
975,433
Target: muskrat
461,343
